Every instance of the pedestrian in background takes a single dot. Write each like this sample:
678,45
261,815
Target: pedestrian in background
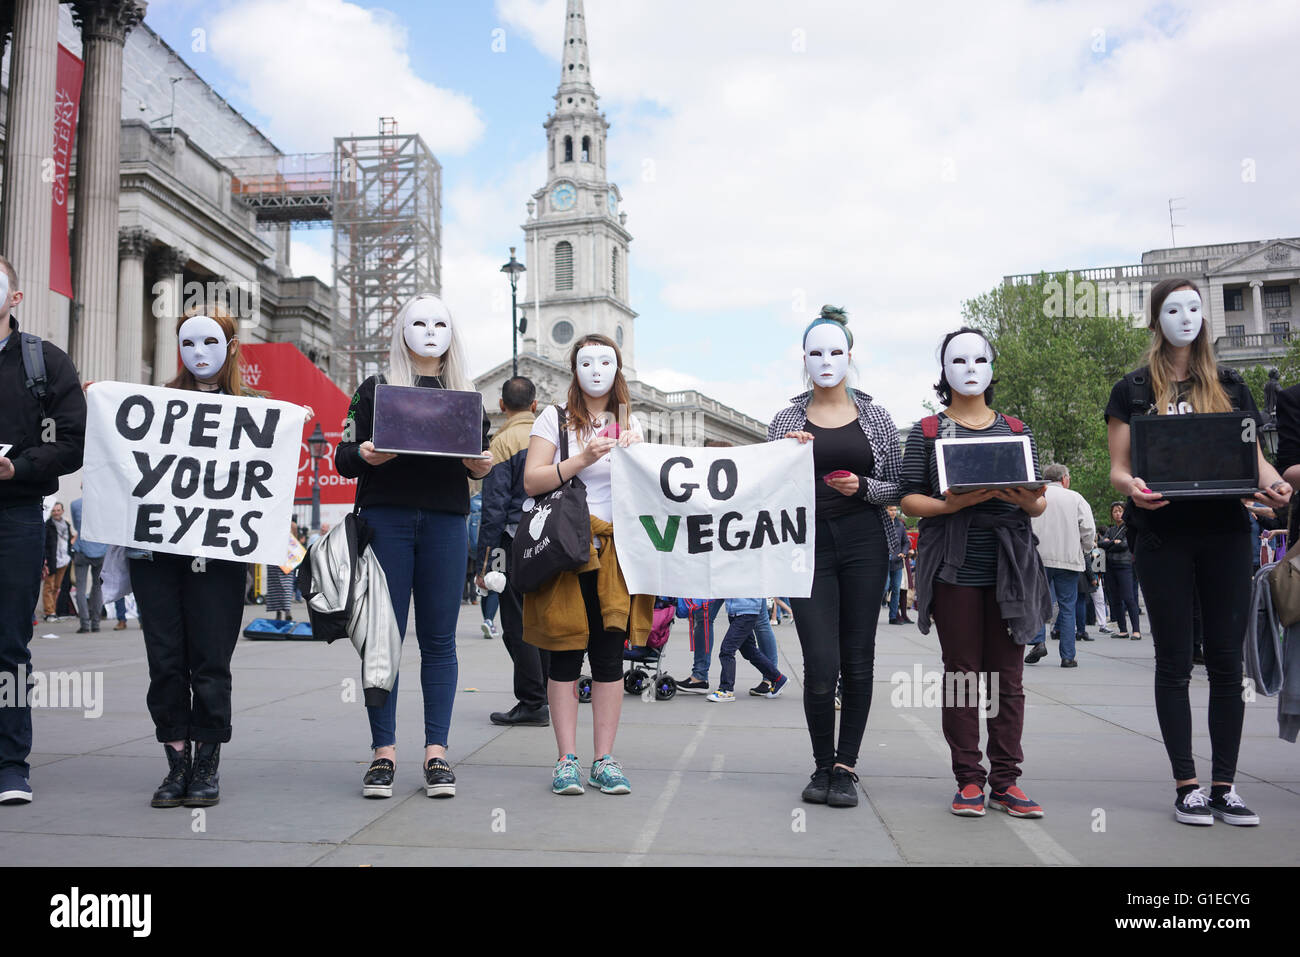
1065,531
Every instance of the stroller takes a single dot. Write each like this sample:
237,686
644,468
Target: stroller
641,658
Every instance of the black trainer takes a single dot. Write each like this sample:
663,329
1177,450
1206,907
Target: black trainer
521,714
1193,807
818,786
843,790
762,689
694,685
1226,804
1039,653
439,782
172,790
378,782
203,790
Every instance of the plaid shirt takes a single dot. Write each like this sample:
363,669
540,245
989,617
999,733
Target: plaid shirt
882,486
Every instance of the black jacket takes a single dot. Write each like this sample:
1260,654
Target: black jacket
52,543
42,450
503,488
1114,542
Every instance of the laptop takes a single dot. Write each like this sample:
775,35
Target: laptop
994,461
1199,455
414,421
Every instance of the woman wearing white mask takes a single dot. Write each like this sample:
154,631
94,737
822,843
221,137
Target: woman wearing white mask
586,611
1190,547
856,462
416,507
978,573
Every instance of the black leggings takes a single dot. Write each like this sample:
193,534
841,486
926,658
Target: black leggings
837,631
604,648
1123,597
1173,569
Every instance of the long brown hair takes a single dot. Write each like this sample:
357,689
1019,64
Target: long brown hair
1207,393
231,377
583,422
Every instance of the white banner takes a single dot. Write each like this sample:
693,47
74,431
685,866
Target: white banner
715,523
191,473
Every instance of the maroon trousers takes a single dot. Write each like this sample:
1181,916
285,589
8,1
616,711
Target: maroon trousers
975,640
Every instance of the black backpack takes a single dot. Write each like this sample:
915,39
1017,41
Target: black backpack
554,534
34,366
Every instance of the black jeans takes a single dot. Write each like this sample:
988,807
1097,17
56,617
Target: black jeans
604,648
837,631
531,663
1174,569
22,551
190,621
1122,592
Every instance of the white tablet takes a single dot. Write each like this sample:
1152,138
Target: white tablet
996,461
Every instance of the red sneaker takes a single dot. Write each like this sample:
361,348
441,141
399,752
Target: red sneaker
1015,802
969,801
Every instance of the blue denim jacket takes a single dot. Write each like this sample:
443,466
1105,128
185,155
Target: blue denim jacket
746,606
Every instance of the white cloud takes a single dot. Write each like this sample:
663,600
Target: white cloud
324,68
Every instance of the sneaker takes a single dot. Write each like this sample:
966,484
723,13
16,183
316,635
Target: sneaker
486,627
607,774
378,782
969,801
777,688
693,685
1229,808
1193,808
1069,663
1039,653
818,786
439,782
1015,802
843,791
762,689
568,776
14,788
1105,630
722,695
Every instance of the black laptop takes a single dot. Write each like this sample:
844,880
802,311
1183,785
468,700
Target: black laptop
414,421
1199,455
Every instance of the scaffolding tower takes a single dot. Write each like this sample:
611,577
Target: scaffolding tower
387,214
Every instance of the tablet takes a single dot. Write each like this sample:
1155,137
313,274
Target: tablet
995,461
410,420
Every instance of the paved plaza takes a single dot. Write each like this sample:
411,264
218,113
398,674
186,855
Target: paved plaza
712,783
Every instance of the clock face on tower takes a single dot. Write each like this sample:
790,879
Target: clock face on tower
563,196
613,204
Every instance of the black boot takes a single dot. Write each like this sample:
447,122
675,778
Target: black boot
172,790
203,791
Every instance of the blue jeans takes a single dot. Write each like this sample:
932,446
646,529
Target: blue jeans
422,553
22,551
1065,590
702,632
489,603
740,637
765,638
893,584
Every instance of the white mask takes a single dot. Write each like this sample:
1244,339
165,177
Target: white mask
967,365
428,327
597,366
203,346
826,354
4,289
1180,317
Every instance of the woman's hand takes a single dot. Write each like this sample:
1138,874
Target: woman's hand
629,438
845,484
1143,497
371,457
1024,498
311,413
955,501
479,467
597,449
803,437
1276,495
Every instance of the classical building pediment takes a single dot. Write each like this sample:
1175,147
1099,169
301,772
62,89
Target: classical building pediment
1281,254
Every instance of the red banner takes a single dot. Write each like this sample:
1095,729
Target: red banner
67,99
282,372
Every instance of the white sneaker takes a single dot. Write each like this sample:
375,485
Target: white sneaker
489,629
496,630
722,696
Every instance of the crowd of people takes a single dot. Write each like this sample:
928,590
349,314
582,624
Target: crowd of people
983,569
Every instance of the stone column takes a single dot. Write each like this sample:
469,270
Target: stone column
132,244
29,143
168,300
1257,300
104,25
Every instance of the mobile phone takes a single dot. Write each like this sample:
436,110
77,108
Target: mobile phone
610,431
837,474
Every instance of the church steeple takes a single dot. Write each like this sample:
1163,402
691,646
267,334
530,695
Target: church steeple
576,92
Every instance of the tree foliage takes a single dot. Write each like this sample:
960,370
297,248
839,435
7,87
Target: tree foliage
1055,367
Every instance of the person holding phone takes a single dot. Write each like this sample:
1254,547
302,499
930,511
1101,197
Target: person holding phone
416,507
1191,550
980,577
856,460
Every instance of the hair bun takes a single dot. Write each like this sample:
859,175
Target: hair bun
836,313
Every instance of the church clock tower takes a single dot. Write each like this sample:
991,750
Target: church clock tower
575,242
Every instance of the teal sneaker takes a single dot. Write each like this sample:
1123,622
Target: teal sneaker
568,776
607,774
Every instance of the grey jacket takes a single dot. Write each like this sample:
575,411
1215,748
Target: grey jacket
347,594
1022,591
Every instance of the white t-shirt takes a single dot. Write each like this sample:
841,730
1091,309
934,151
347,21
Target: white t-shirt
596,477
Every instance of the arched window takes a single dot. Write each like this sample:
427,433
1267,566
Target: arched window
613,271
563,265
568,149
586,149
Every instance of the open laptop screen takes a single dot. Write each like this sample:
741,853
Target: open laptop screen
1203,451
412,420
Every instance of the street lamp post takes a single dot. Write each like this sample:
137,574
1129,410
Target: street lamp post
319,448
513,269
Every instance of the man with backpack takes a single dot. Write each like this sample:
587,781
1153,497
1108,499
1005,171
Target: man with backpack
41,437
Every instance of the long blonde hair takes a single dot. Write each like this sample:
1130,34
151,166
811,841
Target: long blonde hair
1207,393
400,370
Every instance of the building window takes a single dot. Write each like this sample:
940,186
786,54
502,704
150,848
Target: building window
613,272
568,149
1276,297
1281,332
1237,332
586,149
564,265
1232,300
618,336
562,332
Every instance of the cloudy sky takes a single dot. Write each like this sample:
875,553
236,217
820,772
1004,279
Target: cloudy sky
895,158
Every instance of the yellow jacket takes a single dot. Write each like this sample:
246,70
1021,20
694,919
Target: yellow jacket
555,616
